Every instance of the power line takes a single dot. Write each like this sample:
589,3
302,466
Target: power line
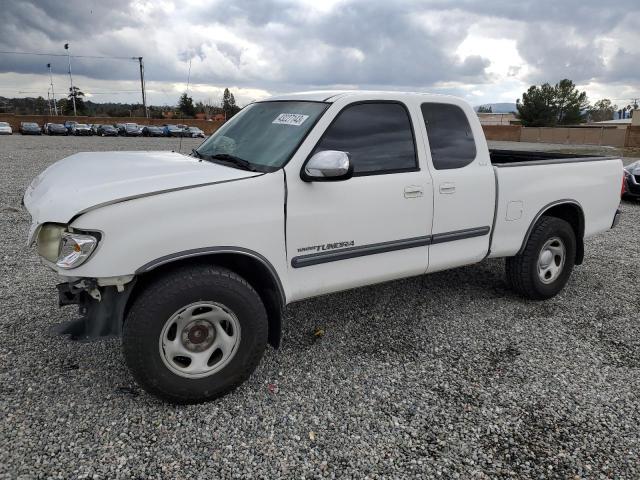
40,54
86,93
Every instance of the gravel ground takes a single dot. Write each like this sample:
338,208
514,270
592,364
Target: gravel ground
445,376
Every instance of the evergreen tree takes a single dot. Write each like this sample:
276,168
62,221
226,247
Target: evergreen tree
229,106
537,108
547,106
185,105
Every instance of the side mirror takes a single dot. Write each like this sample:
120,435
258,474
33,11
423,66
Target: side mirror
327,166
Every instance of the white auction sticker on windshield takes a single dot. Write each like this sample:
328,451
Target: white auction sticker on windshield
295,119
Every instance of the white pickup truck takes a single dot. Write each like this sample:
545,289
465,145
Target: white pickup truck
192,259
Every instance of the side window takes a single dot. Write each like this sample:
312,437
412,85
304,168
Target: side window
378,136
450,138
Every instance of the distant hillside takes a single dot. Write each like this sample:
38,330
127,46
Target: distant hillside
499,107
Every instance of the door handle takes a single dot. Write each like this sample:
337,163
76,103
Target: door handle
413,191
448,188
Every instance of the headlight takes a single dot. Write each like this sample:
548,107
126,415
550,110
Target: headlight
48,241
65,249
75,248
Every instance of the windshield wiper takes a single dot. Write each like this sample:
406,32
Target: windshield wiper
232,159
197,154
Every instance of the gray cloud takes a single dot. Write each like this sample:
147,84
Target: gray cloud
284,44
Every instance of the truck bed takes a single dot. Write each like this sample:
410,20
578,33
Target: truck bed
516,158
591,183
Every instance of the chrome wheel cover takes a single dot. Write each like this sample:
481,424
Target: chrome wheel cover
551,260
199,339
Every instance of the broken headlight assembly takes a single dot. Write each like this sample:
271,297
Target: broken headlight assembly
64,248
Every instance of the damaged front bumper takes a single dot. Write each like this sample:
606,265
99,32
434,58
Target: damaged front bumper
101,308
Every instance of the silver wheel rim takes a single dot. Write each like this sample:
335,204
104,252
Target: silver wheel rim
199,339
551,260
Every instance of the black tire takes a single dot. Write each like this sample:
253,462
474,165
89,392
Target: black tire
160,300
522,270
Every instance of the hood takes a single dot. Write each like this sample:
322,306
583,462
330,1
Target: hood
86,180
633,168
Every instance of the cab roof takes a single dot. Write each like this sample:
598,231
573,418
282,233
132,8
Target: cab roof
331,96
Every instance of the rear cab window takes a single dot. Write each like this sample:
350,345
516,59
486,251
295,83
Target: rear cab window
450,137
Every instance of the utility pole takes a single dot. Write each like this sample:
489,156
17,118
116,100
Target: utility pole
73,93
144,93
53,94
49,102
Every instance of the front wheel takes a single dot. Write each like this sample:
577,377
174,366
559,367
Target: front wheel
545,265
195,334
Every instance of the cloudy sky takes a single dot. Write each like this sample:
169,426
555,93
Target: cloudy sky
485,51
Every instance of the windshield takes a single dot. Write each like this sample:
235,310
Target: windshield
265,134
4,124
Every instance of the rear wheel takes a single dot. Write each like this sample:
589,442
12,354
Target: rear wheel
195,334
545,265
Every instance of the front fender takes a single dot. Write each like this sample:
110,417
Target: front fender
246,214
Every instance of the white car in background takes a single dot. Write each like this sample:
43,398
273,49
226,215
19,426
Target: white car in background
194,132
5,129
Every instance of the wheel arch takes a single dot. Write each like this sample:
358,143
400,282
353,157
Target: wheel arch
250,265
568,210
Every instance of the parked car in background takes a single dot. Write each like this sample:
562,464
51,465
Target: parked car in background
194,132
132,130
5,129
30,128
69,124
153,131
94,128
81,129
120,128
107,131
632,181
172,131
56,129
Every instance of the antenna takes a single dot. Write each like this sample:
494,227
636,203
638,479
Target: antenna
187,94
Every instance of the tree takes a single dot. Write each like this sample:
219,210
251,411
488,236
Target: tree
485,109
79,96
602,110
571,104
185,105
537,108
547,106
41,106
229,106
